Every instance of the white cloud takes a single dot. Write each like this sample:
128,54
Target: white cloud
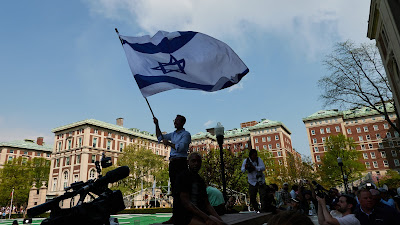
209,123
235,87
308,25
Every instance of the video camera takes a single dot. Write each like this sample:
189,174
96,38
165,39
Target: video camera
96,212
320,190
249,165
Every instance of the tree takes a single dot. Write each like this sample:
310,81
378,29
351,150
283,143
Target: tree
211,170
144,166
391,179
357,79
344,147
293,170
20,174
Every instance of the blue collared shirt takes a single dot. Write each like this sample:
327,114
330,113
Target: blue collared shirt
181,139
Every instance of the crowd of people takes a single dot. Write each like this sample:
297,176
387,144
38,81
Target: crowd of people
5,211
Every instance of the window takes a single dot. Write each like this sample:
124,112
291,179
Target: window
313,132
121,146
256,140
328,130
383,154
375,164
279,153
109,135
365,129
358,130
257,148
92,174
268,139
337,128
322,131
76,178
10,158
316,149
380,145
376,127
276,137
367,165
394,153
365,155
96,131
69,144
264,147
269,147
263,139
391,144
278,145
59,145
80,142
385,163
65,179
93,158
67,161
370,146
323,139
280,162
11,151
314,140
362,147
94,142
348,131
54,184
368,137
324,148
318,158
373,155
388,135
108,144
396,162
360,138
378,136
38,154
122,137
386,126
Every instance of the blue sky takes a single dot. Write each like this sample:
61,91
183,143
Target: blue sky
62,62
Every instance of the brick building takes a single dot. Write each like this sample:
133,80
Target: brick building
27,149
375,139
384,27
270,135
78,145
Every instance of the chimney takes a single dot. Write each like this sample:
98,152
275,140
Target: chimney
39,141
120,122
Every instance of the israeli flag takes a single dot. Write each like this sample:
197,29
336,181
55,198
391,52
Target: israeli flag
185,60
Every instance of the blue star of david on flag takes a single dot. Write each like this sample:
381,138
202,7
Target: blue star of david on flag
171,66
186,60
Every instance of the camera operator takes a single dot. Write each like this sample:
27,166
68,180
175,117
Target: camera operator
255,174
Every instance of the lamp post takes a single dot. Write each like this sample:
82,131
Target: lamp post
340,163
219,133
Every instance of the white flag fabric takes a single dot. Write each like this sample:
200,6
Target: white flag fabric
185,60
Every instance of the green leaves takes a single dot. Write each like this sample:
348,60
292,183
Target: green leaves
144,165
340,146
20,174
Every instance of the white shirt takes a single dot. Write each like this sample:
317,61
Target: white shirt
252,176
349,219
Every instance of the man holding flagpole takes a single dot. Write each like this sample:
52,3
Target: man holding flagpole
179,141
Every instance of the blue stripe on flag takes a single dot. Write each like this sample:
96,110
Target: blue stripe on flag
165,46
144,81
